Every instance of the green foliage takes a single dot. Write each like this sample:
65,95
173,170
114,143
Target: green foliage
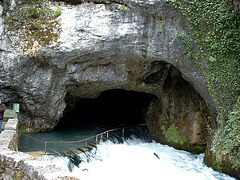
33,12
215,27
123,8
227,137
216,31
58,12
33,21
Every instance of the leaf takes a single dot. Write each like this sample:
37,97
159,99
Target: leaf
212,59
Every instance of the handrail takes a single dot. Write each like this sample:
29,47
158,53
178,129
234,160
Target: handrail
32,137
86,139
104,132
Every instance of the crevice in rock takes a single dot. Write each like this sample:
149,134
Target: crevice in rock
107,2
157,73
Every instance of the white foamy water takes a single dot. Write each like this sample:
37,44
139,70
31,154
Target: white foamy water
138,160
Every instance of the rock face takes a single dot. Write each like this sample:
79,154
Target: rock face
179,118
227,163
101,47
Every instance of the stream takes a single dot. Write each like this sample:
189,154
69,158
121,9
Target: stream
134,157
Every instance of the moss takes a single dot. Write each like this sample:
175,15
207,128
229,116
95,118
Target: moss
173,135
163,128
198,149
25,129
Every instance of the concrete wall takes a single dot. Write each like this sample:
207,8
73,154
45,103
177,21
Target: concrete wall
16,165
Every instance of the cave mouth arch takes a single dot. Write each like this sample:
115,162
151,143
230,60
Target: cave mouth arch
175,113
112,108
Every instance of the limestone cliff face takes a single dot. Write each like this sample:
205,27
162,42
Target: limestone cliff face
103,47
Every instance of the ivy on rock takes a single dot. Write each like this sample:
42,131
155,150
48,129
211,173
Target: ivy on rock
215,28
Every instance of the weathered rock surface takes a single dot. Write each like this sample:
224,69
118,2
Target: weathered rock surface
102,47
227,163
180,117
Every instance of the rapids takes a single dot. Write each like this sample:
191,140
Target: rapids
138,159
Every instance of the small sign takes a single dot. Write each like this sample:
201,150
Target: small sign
16,107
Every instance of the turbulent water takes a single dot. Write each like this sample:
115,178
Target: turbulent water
136,159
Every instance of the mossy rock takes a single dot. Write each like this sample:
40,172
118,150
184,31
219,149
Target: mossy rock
175,139
222,163
173,135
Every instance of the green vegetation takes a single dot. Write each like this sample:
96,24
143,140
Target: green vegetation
215,29
172,135
227,138
58,12
32,20
123,8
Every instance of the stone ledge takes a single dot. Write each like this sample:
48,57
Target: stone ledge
18,165
12,124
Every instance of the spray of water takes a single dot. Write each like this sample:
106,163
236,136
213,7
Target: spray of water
137,159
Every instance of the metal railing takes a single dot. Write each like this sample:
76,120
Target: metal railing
98,137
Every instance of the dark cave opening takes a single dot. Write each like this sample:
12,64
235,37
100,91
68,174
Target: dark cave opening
112,108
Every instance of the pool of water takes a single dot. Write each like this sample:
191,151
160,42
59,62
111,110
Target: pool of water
61,140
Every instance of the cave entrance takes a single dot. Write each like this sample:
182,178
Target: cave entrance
112,108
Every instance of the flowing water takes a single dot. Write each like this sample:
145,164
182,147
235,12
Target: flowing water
138,158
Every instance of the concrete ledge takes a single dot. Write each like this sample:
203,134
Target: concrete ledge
18,165
12,124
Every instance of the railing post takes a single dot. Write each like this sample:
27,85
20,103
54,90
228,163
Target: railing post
86,143
96,139
122,132
101,137
107,134
45,150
